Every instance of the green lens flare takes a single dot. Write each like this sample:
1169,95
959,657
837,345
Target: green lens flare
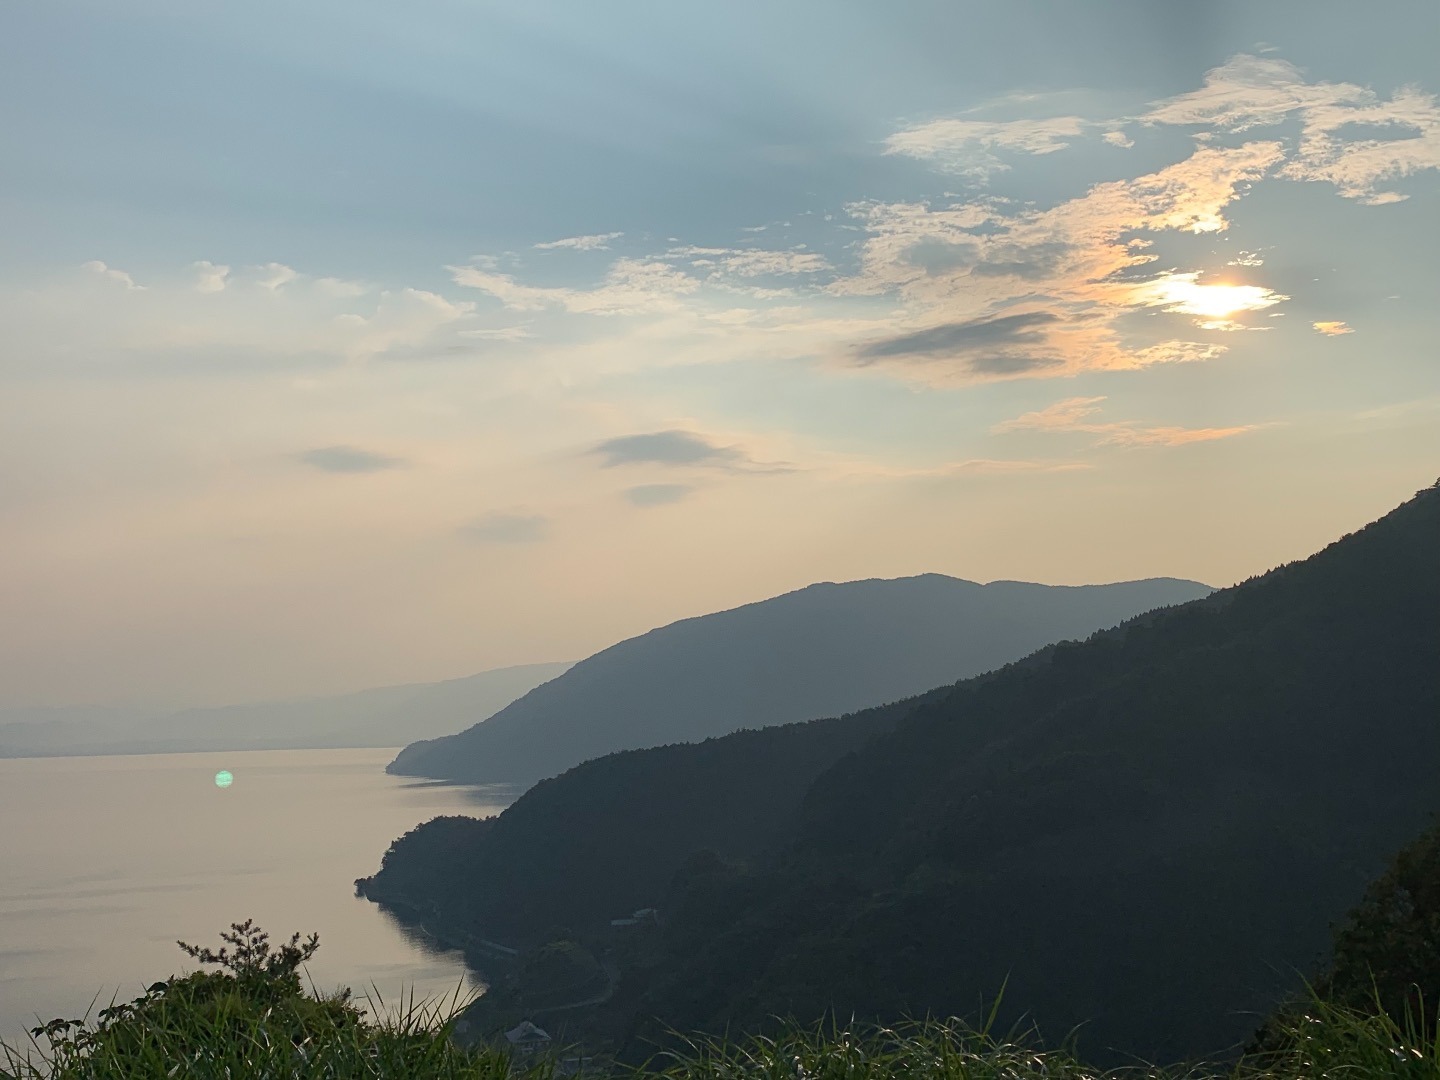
223,778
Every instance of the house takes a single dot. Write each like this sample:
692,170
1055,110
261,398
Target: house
526,1039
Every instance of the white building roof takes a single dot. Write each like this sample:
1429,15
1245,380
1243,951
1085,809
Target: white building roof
526,1032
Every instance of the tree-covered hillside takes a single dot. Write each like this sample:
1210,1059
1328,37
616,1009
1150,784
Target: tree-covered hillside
606,837
1147,833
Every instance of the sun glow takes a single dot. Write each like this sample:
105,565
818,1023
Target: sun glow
1215,305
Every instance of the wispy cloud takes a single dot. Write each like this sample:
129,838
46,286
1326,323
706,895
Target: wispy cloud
592,242
1000,345
207,318
349,459
1075,415
657,494
631,287
968,148
95,266
1350,136
752,262
667,448
1333,328
503,528
1008,466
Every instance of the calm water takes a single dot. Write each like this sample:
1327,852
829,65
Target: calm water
105,861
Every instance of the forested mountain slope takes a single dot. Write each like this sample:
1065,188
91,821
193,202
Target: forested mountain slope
821,651
1147,834
606,837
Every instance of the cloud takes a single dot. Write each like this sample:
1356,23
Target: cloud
666,448
348,459
1333,328
499,333
593,242
1009,466
210,277
1032,262
630,287
1074,415
657,494
1127,435
1177,352
276,276
403,323
1118,138
1350,136
952,338
506,289
1009,365
968,147
1251,91
500,528
340,288
1073,249
747,263
95,266
1062,416
262,317
978,260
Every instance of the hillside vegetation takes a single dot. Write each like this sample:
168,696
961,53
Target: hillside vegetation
250,1019
608,836
1147,833
822,651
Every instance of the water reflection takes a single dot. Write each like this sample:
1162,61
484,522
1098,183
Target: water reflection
107,861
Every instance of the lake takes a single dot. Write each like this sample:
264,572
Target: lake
106,861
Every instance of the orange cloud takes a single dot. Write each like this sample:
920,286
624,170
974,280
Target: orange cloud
1073,415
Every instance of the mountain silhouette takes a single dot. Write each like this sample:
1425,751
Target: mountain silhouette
1143,837
821,651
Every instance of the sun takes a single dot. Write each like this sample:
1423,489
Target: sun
1215,305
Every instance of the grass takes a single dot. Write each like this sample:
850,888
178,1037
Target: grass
252,1021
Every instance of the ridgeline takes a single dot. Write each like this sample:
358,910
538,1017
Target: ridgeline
824,650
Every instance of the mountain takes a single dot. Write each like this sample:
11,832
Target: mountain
387,716
1143,837
622,824
821,651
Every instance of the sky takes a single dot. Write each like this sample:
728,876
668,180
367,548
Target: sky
350,343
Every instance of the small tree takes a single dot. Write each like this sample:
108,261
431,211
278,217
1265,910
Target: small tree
253,963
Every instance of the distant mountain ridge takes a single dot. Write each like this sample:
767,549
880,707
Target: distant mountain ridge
381,717
824,650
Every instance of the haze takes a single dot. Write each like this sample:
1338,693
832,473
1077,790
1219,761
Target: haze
351,344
